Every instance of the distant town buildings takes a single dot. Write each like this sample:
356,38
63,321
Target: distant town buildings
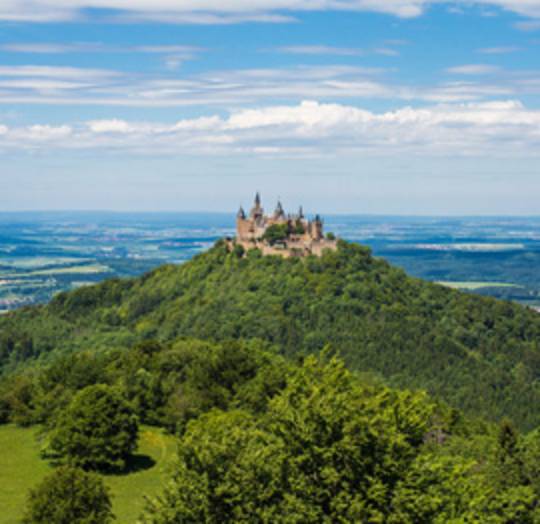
281,233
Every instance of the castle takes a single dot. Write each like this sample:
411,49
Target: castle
280,233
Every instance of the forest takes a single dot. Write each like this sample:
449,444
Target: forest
476,353
266,439
321,389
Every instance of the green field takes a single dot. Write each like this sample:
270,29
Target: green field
88,269
22,468
475,285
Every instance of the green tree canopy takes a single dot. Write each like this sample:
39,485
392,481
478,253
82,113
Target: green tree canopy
276,233
69,496
98,430
332,449
327,450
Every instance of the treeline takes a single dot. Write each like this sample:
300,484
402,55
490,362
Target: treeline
264,439
166,385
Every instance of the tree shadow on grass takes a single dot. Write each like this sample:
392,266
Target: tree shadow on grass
137,463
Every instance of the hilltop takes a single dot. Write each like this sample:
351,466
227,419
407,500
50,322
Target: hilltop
476,353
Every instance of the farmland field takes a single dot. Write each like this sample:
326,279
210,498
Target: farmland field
44,253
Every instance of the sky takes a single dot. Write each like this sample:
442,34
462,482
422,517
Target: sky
413,107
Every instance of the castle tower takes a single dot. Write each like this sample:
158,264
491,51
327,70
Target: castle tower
316,228
279,214
257,211
243,225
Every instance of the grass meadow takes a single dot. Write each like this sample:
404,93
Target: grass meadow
22,468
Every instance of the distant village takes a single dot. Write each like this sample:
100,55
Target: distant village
285,234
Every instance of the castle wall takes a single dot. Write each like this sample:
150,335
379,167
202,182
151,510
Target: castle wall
243,229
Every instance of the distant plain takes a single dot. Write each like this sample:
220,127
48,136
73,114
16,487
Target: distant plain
43,253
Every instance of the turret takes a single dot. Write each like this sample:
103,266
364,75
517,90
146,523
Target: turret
241,214
316,228
256,210
279,213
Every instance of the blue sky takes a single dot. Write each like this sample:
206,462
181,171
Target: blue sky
353,106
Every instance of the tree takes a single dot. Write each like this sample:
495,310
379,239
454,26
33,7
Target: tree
97,431
530,455
508,465
69,496
276,233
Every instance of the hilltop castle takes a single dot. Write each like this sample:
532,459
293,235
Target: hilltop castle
280,233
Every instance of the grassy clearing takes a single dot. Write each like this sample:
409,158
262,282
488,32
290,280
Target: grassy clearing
21,468
475,285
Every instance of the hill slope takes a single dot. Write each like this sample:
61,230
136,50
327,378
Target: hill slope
478,354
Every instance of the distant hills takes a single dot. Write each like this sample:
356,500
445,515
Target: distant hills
478,354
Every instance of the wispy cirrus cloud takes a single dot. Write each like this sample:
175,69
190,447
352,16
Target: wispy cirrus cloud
58,72
528,25
325,50
173,56
232,11
51,85
473,69
501,50
97,47
319,50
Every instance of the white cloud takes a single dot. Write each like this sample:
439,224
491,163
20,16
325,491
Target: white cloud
499,128
110,126
205,123
233,11
38,134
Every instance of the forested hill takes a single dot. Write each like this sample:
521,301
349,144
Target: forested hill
479,354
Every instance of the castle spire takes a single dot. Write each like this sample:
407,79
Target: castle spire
256,210
300,212
241,213
279,213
